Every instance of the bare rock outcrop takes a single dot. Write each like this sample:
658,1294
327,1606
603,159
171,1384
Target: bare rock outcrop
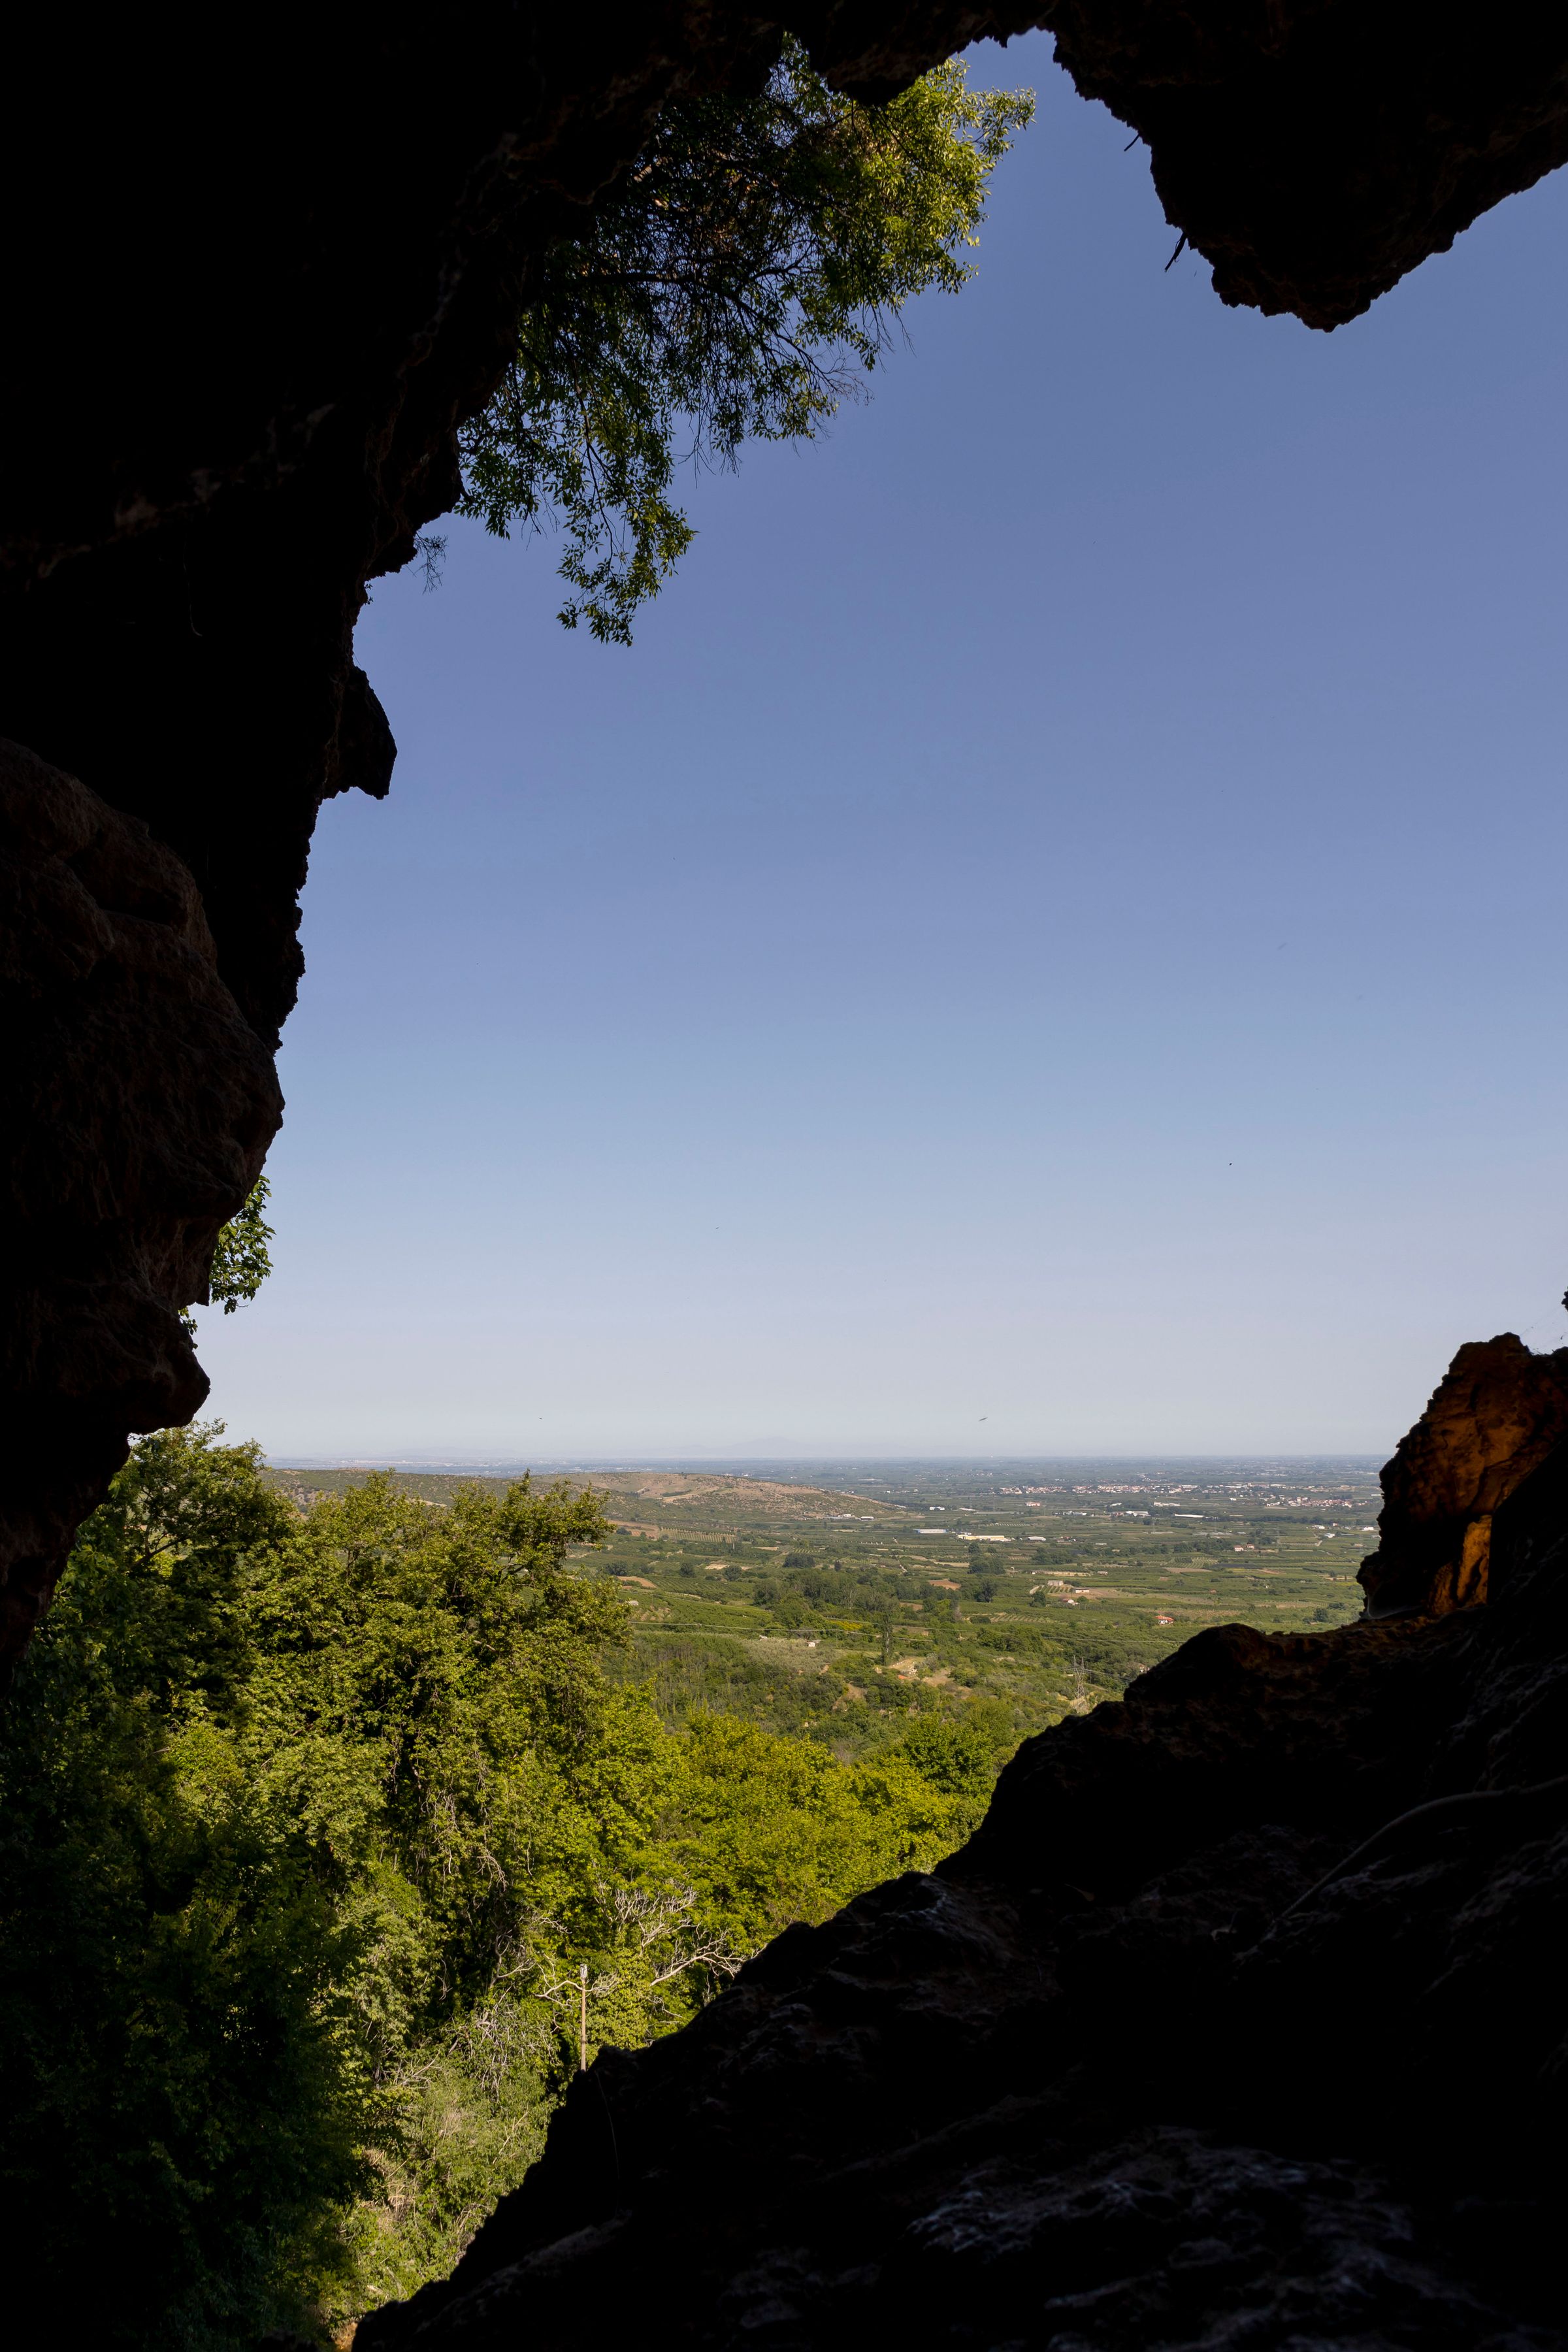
1239,2022
1498,1413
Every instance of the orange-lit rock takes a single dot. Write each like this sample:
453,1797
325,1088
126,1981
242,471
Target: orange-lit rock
1493,1419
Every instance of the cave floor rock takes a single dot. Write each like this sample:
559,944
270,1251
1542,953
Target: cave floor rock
1239,2022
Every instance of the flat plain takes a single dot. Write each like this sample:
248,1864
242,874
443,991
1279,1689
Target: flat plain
833,1598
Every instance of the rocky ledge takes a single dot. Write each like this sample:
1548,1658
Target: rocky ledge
1239,2022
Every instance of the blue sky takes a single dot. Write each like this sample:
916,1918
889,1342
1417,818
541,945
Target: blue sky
1056,917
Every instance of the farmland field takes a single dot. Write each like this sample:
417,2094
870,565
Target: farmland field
833,1599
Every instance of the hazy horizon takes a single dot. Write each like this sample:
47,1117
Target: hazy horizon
1050,934
866,1466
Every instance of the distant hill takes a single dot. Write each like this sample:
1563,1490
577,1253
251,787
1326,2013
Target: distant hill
825,1610
701,1501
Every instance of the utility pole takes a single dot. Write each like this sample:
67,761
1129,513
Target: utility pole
583,2022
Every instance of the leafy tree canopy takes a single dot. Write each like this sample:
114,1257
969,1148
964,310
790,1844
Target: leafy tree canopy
744,280
315,1828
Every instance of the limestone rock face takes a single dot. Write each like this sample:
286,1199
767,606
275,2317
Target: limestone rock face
1493,1419
1238,2023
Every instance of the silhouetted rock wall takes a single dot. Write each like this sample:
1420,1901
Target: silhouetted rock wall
142,1103
1314,151
1239,2022
1496,1415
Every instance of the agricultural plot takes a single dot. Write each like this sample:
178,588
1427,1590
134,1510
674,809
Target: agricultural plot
1011,1593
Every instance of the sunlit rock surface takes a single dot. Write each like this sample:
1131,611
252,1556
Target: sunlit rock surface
1495,1417
1239,2022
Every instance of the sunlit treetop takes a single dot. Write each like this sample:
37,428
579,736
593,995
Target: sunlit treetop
745,278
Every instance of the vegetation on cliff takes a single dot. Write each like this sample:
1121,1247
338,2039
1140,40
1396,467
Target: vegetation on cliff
241,1259
330,1849
741,281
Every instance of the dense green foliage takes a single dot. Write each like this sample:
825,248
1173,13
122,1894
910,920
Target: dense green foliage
319,1828
740,283
177,2132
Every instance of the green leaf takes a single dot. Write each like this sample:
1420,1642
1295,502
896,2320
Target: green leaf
744,279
